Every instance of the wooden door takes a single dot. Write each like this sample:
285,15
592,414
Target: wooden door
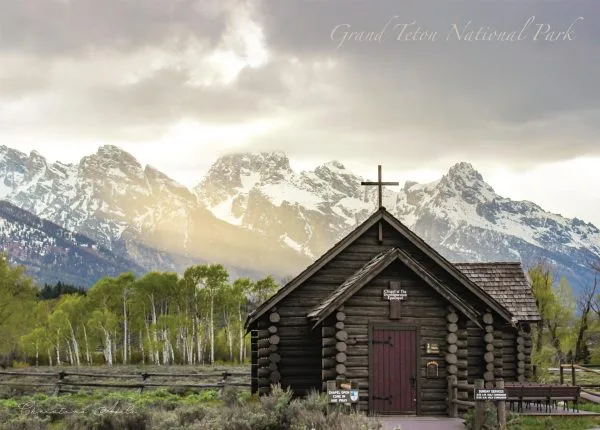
393,382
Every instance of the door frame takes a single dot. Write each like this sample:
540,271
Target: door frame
391,326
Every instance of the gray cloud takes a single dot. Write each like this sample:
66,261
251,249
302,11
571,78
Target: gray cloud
523,102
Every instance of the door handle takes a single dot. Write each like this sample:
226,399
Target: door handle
413,381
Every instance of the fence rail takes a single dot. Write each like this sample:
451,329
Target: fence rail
62,381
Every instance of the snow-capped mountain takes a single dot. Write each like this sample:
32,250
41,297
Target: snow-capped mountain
256,215
54,254
136,212
460,214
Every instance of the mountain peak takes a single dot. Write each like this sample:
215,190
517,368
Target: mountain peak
464,170
112,152
334,165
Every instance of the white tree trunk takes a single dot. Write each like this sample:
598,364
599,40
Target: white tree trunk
87,346
70,351
154,331
125,335
212,331
58,363
142,348
49,357
108,351
75,345
241,335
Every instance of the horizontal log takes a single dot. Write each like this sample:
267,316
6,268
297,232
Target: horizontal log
274,339
487,318
520,341
451,358
263,334
489,329
451,338
451,369
489,367
328,331
520,356
520,348
488,357
488,338
328,363
341,357
340,316
263,343
341,347
263,361
264,352
339,325
328,374
489,347
328,341
462,353
452,348
329,351
340,369
264,372
433,396
451,327
274,317
521,378
462,374
488,376
461,343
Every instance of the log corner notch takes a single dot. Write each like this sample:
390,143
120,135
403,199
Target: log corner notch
334,337
456,354
489,356
268,355
524,344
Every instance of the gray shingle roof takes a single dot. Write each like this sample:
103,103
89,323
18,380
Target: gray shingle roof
505,282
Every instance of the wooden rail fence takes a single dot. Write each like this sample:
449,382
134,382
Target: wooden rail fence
63,381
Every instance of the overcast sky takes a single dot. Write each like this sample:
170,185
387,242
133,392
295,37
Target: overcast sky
179,82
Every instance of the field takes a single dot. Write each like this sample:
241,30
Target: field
178,407
192,397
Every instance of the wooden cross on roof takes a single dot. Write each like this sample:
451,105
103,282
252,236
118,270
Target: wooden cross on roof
380,185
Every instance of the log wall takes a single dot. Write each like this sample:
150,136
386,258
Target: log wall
304,354
423,308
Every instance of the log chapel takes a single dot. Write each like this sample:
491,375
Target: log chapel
383,309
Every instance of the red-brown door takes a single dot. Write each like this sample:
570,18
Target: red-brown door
393,387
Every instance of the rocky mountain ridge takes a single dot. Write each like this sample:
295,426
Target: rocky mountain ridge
255,214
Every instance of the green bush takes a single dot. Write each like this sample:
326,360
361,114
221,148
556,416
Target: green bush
490,419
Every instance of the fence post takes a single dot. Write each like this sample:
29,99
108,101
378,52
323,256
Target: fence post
479,407
452,395
144,377
61,377
573,378
562,373
501,406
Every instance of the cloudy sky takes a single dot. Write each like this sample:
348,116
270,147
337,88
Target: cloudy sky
179,82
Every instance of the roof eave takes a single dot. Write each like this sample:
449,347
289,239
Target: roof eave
449,267
313,268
